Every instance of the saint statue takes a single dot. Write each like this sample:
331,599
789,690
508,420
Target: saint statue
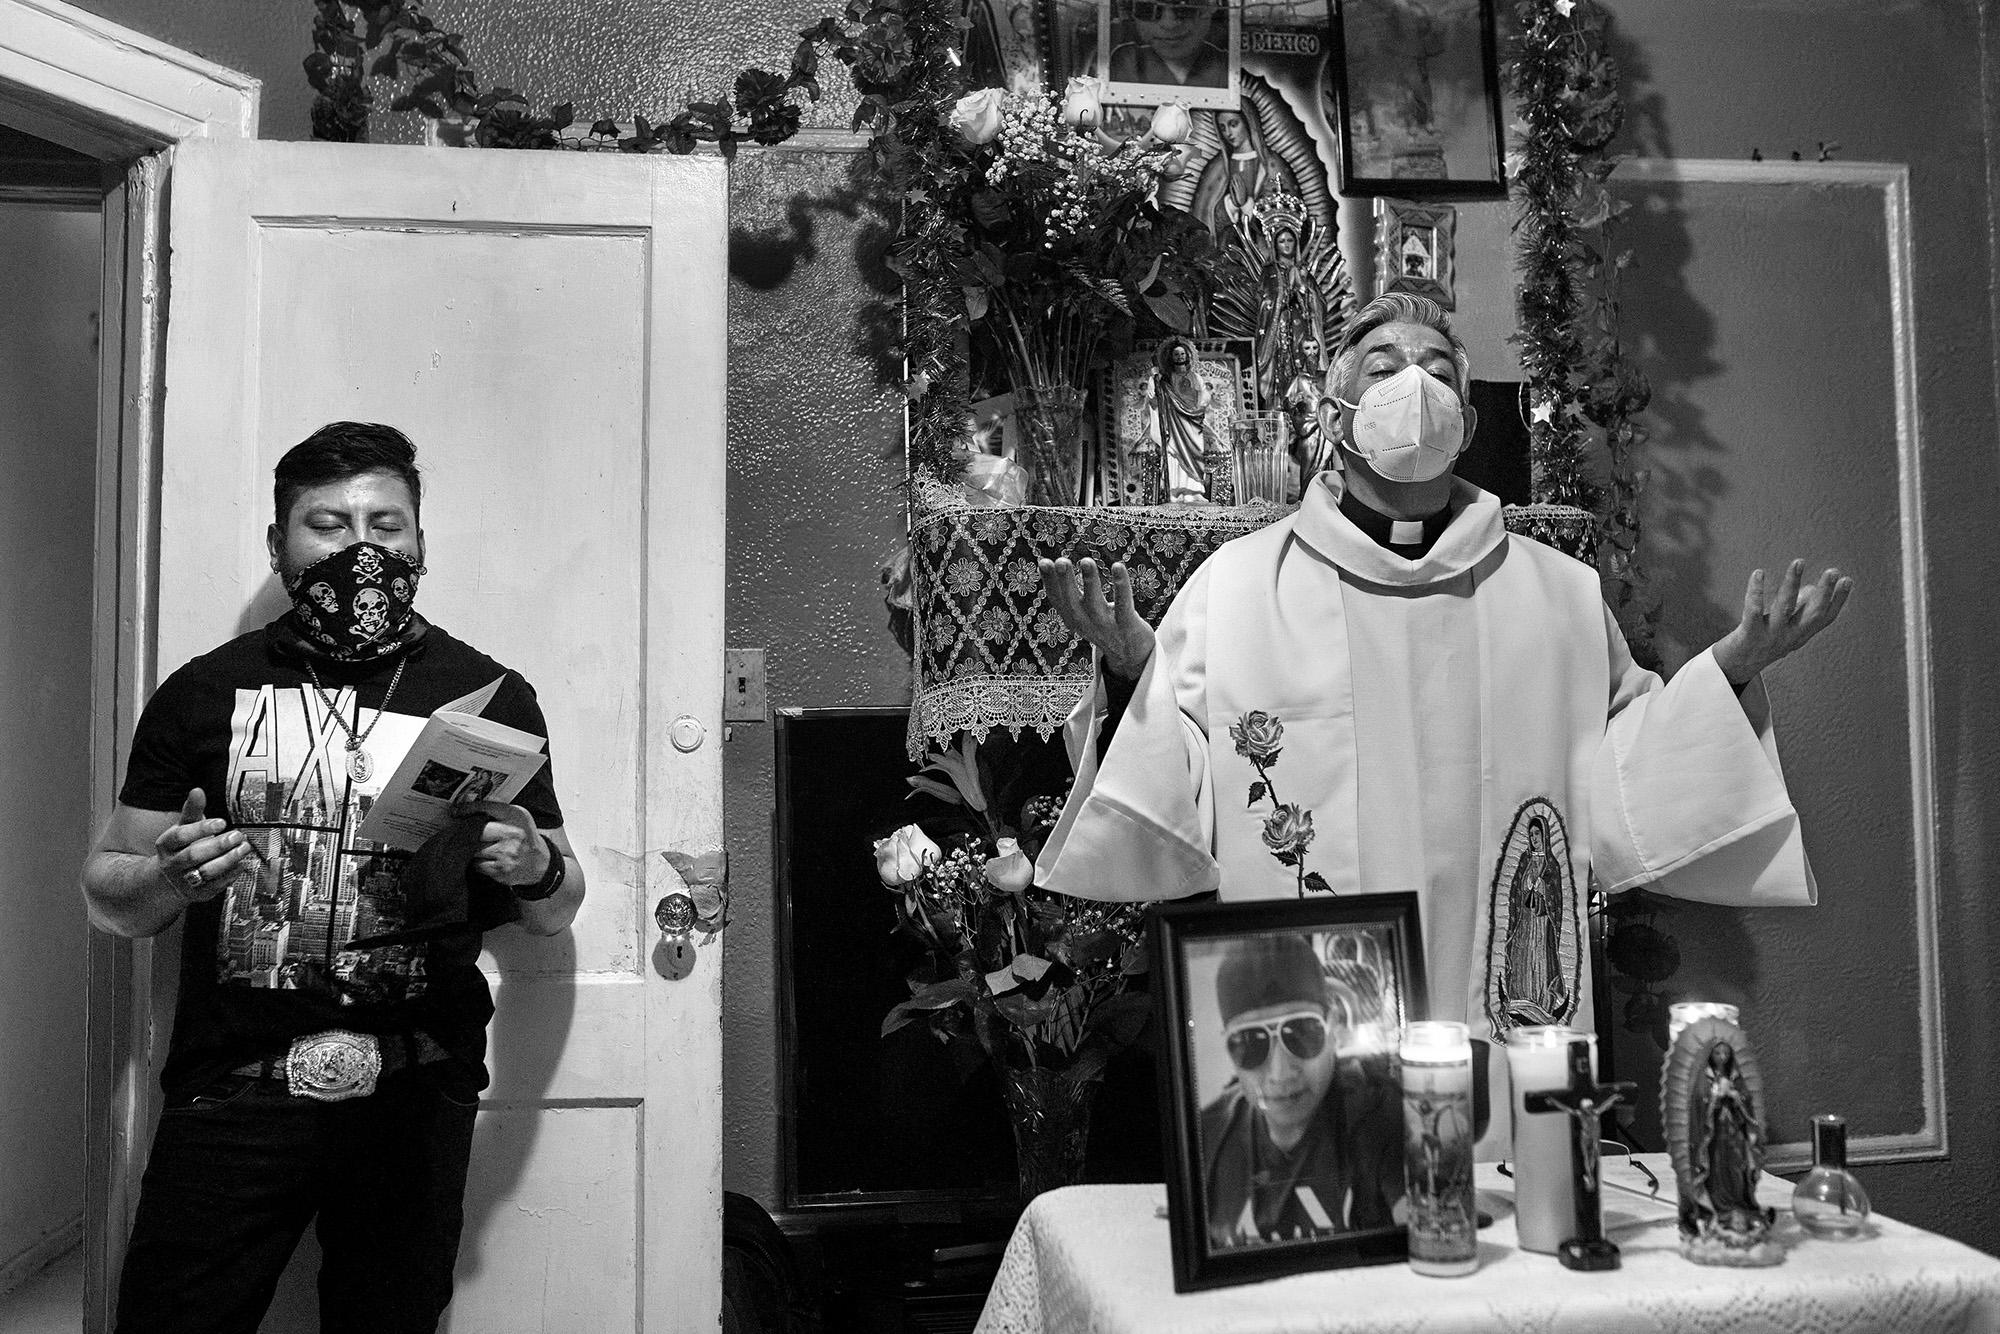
1532,989
1177,404
1310,451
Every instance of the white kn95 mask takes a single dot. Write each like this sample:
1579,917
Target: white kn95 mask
1408,427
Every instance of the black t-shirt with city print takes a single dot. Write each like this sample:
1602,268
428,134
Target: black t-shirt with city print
319,928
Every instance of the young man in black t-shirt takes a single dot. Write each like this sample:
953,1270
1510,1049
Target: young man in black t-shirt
329,1039
1302,1142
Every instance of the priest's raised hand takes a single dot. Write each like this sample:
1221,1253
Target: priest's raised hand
1773,627
1109,622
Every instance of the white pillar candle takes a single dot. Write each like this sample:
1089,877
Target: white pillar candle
1544,1173
1437,1148
1682,1013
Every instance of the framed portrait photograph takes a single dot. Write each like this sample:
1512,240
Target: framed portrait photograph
1168,414
1278,1078
1152,51
1413,249
1416,90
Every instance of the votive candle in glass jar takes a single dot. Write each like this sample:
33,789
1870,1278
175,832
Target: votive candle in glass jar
1682,1013
1437,1148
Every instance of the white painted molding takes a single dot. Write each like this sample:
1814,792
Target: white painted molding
1893,180
62,67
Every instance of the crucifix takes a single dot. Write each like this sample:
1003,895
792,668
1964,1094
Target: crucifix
1585,1100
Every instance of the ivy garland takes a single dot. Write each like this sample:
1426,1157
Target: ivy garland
1561,71
900,54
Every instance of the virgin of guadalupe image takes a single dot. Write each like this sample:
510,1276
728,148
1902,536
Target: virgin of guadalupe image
1531,984
1711,1106
1177,408
1292,311
1726,1141
1243,171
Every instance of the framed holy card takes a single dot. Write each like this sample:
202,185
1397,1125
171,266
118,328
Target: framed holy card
1168,414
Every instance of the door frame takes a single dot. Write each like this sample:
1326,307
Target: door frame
126,99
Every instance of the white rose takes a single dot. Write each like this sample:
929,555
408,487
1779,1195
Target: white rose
901,858
1081,108
1171,124
977,115
1009,871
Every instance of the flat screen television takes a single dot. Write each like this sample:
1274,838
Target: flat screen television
905,1124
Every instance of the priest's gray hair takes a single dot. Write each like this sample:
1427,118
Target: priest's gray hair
1397,308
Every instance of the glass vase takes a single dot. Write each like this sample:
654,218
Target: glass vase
1051,421
1050,1114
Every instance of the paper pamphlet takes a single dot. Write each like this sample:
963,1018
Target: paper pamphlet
458,757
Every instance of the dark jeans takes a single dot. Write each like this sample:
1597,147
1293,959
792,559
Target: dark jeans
240,1167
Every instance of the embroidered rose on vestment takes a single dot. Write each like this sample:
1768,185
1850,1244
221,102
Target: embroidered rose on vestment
1258,737
1288,830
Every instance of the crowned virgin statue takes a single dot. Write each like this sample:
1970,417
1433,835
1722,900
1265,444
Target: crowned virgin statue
1284,286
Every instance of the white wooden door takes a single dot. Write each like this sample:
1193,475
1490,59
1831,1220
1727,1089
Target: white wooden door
549,329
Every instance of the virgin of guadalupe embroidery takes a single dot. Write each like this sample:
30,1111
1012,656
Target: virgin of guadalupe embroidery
1534,958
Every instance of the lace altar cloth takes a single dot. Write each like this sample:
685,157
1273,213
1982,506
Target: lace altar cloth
991,652
1096,1258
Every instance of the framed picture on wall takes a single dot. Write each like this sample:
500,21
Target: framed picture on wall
1416,90
1279,1022
1413,249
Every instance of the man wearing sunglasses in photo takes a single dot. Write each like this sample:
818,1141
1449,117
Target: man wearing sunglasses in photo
1177,44
1302,1142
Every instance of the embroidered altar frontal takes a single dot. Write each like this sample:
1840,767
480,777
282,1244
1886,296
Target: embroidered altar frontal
989,649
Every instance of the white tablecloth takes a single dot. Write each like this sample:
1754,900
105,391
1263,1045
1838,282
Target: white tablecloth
1095,1260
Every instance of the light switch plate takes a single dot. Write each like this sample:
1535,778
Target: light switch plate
744,698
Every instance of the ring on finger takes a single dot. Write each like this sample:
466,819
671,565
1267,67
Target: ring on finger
193,880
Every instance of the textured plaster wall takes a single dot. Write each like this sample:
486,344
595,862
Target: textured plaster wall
813,510
1898,81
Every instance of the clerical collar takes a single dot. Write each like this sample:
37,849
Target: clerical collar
1408,538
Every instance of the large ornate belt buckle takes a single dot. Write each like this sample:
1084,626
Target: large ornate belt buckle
333,1066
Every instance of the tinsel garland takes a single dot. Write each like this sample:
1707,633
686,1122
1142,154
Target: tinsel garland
1566,82
1561,71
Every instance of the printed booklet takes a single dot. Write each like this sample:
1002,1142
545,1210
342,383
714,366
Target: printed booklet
458,757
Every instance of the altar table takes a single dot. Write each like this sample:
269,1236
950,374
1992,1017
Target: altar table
1095,1259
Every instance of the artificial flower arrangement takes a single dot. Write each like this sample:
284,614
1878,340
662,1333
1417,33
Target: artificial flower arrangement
1044,985
1065,240
1057,254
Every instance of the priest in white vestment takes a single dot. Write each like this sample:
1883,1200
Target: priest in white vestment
1387,691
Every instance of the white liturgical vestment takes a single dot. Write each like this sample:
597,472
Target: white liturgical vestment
1322,715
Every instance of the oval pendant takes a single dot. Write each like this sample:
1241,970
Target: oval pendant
359,767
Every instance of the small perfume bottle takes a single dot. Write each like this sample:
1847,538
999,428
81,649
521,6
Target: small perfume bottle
1828,1201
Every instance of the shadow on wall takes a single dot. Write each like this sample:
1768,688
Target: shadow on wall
765,258
1676,347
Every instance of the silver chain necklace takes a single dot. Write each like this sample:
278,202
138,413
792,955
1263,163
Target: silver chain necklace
360,767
